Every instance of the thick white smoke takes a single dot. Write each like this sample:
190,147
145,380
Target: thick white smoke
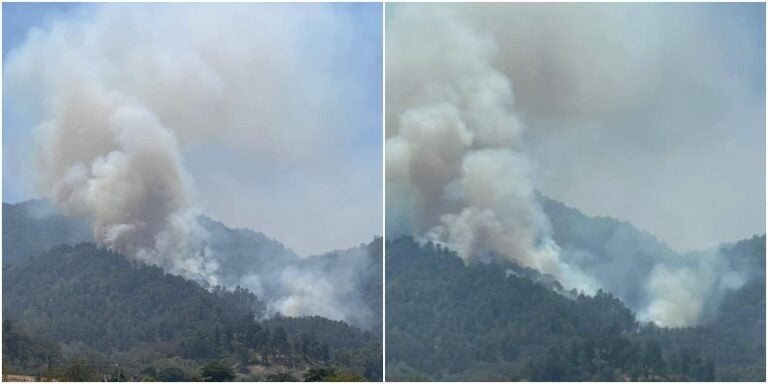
454,174
683,291
120,90
457,172
107,158
335,285
330,288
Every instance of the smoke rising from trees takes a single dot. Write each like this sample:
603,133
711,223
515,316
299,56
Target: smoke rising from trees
459,172
121,93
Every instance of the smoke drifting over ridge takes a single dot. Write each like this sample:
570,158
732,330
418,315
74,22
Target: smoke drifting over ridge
122,92
457,172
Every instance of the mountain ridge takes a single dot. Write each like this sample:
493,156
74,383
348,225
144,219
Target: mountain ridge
244,257
449,320
87,305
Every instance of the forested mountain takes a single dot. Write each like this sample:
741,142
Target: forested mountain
244,257
623,257
616,251
34,226
450,321
100,307
735,338
85,294
81,312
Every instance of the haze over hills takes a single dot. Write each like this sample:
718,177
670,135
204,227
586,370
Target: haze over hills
659,284
452,320
97,306
288,283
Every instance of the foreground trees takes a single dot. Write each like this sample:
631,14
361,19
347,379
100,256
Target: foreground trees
93,306
448,321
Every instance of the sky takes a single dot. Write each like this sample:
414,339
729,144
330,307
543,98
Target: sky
659,121
18,20
293,151
648,113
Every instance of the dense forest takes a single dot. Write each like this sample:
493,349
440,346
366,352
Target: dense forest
447,321
450,321
80,312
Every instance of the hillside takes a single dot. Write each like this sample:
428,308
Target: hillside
90,308
735,338
623,258
100,307
449,321
34,226
616,251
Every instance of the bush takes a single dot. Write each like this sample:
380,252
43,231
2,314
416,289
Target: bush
171,374
217,372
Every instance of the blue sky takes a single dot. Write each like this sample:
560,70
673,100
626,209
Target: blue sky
18,19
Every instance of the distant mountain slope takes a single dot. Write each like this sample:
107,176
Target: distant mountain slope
362,267
623,258
618,252
448,321
572,228
238,249
34,226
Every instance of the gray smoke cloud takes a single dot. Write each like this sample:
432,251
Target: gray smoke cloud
333,285
124,92
330,285
683,291
454,174
459,168
659,284
108,159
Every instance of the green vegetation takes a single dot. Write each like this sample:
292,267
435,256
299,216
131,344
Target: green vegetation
20,348
31,227
281,377
216,371
447,321
330,374
94,307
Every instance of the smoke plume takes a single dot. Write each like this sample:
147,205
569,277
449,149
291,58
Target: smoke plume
454,173
682,292
457,171
121,91
334,285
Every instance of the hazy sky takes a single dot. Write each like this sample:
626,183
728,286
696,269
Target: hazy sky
302,161
650,113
